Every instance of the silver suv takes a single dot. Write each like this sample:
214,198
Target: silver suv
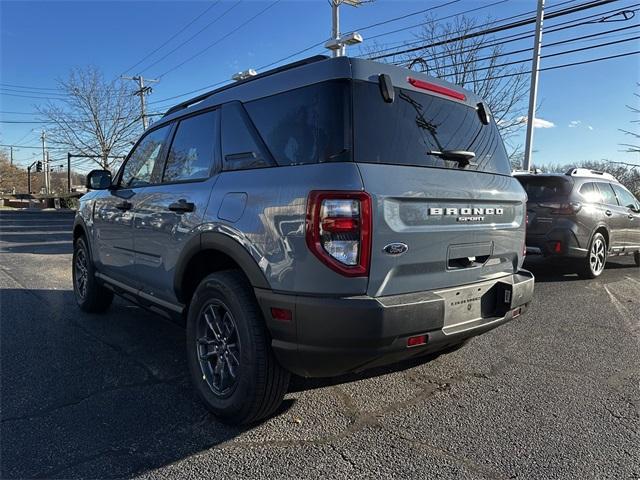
583,215
321,218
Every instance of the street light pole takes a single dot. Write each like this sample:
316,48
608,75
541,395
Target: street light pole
335,27
533,90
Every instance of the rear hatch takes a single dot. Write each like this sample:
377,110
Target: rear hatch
436,223
548,201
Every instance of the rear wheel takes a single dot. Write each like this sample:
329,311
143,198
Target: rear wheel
593,265
90,295
230,359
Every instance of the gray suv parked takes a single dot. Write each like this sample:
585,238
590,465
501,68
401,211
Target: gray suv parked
584,215
320,218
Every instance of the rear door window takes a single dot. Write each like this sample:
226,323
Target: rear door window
405,131
193,150
542,188
608,195
625,197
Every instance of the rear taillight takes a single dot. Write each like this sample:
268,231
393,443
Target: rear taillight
338,230
562,208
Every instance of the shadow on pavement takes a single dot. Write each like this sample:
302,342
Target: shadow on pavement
563,270
95,396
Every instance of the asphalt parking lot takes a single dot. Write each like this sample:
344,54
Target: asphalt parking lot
554,394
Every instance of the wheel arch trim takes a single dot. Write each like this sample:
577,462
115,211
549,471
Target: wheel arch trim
223,243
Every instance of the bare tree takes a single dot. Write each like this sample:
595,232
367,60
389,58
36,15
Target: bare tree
633,147
95,118
447,50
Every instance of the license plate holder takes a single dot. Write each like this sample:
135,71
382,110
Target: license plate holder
463,305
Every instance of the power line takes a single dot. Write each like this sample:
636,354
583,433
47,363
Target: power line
513,52
223,14
366,27
401,44
29,96
555,67
224,37
27,87
521,36
500,28
206,10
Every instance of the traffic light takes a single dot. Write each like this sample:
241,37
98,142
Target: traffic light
38,166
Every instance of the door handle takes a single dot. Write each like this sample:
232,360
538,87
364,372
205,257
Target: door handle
608,213
182,206
124,206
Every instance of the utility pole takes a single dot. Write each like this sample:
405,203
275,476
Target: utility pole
338,44
11,156
141,92
533,89
69,172
45,162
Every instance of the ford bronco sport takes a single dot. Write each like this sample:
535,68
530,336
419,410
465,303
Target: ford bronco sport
585,216
321,218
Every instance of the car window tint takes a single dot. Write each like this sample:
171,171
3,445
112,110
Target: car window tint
590,192
625,197
540,187
241,146
141,165
405,131
306,125
192,151
608,196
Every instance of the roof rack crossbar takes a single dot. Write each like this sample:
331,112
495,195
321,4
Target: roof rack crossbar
199,98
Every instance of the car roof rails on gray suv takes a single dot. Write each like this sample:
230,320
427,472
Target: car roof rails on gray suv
585,172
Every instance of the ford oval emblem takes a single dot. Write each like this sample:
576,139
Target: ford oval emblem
396,248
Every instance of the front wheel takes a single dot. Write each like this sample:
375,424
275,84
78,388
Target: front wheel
593,265
90,295
230,359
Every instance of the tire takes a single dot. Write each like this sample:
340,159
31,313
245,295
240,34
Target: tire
593,264
90,296
246,383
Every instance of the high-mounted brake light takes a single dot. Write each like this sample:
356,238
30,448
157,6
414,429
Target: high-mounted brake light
338,230
432,87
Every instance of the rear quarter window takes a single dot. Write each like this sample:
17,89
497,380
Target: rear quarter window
306,125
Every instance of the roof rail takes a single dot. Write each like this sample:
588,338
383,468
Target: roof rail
273,71
585,172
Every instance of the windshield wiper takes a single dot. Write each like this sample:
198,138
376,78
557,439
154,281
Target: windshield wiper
463,157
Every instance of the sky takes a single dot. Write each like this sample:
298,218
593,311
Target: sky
190,45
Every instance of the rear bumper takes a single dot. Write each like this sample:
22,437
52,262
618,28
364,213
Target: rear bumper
330,336
557,243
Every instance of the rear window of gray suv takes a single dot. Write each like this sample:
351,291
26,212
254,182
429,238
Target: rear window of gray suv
403,132
314,124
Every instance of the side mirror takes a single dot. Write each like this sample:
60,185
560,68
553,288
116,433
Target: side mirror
98,180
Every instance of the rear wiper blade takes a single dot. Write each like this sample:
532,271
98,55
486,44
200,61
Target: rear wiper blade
463,157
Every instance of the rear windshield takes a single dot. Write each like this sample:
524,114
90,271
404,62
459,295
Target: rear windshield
403,132
544,188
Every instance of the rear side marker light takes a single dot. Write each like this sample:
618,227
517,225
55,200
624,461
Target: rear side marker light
432,87
515,313
338,230
416,341
281,314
